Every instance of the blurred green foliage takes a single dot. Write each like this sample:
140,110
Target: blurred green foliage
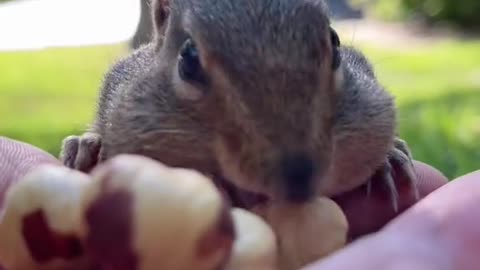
462,13
390,10
47,95
438,94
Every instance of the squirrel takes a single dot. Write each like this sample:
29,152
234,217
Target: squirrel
260,93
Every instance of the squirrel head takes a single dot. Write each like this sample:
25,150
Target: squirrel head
262,76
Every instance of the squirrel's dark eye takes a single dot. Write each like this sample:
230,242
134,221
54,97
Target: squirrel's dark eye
189,66
336,43
334,37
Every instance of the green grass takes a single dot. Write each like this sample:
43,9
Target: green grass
438,95
47,95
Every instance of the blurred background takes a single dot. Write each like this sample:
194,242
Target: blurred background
53,54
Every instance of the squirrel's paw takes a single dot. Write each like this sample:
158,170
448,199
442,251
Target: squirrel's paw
398,168
81,152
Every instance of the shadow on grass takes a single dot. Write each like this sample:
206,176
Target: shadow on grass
444,131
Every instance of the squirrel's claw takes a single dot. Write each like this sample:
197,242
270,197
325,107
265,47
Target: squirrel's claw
384,174
402,160
81,152
397,167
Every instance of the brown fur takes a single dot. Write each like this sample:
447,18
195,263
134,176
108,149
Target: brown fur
271,92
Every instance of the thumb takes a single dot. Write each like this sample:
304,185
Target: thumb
440,232
17,159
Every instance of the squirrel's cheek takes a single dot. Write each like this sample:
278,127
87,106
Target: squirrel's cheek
339,78
39,228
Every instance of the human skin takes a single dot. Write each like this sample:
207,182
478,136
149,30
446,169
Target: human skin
366,214
441,232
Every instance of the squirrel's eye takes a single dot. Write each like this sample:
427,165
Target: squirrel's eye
189,66
334,37
336,43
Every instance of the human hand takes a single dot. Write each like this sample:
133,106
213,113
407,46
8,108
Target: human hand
440,232
17,158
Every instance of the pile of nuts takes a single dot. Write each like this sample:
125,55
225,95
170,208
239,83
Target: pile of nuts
135,213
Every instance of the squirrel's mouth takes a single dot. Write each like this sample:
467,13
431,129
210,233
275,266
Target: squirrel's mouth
239,197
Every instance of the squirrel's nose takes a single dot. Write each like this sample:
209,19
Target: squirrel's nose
298,172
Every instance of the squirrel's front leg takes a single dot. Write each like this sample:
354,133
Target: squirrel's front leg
81,152
398,166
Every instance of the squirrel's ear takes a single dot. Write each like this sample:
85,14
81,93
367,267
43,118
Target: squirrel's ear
161,10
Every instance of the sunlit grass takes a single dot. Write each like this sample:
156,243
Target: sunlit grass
437,90
46,95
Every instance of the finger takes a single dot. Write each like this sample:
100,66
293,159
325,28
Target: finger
448,217
367,214
440,232
17,159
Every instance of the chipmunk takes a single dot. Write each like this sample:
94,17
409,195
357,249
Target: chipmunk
260,93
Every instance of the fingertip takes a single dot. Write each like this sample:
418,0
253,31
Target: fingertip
429,178
448,220
17,159
369,213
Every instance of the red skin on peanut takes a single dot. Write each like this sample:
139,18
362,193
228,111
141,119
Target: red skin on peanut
110,238
220,237
44,244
